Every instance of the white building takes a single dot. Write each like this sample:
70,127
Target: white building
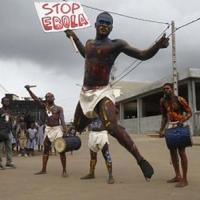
140,110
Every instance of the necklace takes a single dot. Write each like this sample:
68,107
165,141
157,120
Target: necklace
49,110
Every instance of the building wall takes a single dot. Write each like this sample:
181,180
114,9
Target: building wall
146,124
23,107
130,125
26,107
197,123
150,122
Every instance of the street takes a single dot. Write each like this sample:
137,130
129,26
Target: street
22,184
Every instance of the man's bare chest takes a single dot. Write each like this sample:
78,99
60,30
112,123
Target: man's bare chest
103,51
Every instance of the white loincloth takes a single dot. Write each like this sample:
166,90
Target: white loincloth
175,124
90,98
97,140
53,132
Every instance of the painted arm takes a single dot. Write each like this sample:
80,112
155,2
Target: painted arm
164,119
186,108
163,123
146,54
80,46
34,97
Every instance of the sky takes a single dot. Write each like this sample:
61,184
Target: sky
48,60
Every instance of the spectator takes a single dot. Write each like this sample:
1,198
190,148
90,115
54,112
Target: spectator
22,139
5,133
32,134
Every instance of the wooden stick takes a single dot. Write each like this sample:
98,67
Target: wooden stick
73,43
31,86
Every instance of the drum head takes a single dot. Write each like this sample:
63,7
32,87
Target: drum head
59,145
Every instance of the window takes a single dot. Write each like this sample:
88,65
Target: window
183,91
130,110
197,91
151,104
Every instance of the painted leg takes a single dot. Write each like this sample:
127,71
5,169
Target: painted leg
80,120
106,110
93,162
108,161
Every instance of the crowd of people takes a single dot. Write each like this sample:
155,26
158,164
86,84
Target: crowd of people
29,139
25,137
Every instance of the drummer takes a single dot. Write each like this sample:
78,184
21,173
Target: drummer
98,140
175,112
55,127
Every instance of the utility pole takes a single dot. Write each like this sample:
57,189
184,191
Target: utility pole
175,73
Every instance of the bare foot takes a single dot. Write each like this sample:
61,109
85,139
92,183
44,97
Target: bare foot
174,180
181,184
111,180
88,176
40,172
64,174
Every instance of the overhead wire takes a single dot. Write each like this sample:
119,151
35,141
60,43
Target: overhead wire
123,15
184,25
119,79
124,73
188,23
4,89
178,28
131,65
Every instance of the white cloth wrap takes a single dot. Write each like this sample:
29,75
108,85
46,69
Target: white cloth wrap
53,132
90,98
97,140
174,124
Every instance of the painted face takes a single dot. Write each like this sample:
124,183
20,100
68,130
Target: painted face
49,97
104,24
168,91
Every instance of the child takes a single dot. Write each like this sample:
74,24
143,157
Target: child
40,135
22,139
32,133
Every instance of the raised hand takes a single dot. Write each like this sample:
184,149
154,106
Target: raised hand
27,87
69,33
163,42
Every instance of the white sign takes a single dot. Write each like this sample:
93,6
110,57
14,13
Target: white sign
60,16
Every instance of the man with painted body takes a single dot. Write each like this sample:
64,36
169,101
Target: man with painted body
175,112
55,127
97,97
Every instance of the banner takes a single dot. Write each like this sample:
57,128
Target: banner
59,16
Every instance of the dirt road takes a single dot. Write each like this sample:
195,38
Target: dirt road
22,184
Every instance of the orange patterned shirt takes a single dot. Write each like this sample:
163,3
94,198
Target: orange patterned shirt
175,108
